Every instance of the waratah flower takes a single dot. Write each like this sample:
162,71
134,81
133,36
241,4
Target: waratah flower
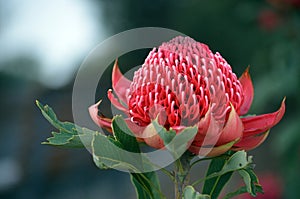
182,83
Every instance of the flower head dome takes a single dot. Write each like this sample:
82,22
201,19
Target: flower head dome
183,77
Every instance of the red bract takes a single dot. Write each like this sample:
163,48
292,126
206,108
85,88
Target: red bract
182,83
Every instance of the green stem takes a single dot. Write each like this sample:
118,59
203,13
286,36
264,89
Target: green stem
209,158
214,187
199,181
181,174
200,160
153,186
165,171
205,178
168,173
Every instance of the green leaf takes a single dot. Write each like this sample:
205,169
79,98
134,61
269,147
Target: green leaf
221,182
107,152
110,152
141,188
64,139
190,193
247,180
214,185
221,170
124,135
181,141
49,114
238,160
242,190
176,144
251,181
113,154
120,152
147,185
70,135
124,139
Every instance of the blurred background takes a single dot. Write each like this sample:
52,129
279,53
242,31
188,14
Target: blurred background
42,44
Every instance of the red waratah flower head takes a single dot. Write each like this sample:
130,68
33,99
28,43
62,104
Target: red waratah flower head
182,83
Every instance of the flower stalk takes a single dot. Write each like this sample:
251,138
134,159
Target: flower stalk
181,174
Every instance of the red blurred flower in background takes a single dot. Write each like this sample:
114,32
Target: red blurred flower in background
268,19
182,83
284,4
